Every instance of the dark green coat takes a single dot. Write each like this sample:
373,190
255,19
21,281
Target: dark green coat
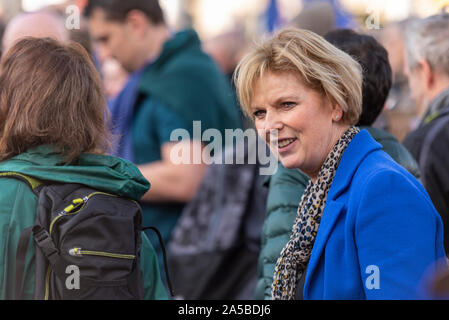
286,187
18,208
185,81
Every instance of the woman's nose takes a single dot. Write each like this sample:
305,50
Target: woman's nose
273,121
273,124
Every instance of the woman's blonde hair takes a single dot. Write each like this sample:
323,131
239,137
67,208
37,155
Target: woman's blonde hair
319,64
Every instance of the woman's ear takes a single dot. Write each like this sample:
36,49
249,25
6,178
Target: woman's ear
337,112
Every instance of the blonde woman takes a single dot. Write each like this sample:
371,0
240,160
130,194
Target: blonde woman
365,228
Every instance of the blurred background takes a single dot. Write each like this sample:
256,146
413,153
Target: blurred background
227,28
212,17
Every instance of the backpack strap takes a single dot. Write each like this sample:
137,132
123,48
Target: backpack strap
24,239
45,243
164,256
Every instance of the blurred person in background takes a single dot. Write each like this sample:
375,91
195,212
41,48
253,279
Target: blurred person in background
317,16
427,69
50,22
400,109
172,83
78,33
40,24
227,50
114,78
286,186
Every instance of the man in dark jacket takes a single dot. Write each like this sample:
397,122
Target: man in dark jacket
427,69
173,82
286,186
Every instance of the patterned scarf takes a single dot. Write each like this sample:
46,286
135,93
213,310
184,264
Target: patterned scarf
295,255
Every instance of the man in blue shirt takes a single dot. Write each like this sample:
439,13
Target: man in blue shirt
173,83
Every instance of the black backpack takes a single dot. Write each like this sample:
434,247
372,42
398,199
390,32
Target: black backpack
87,244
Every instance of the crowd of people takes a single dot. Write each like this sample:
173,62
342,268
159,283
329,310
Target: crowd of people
355,209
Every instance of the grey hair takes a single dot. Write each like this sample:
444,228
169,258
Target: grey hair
428,39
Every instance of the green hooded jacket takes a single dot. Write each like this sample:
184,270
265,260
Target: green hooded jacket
18,208
186,82
286,187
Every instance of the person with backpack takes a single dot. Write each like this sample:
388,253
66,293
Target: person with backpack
53,142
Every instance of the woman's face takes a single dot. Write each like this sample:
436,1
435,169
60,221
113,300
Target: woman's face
307,124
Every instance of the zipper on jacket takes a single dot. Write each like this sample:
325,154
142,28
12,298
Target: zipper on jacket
78,252
76,206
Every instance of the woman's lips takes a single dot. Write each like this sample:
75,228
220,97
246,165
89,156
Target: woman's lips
286,144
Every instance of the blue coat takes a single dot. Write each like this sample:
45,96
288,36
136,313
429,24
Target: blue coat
379,232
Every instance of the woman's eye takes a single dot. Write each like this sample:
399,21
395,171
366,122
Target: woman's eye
258,114
288,104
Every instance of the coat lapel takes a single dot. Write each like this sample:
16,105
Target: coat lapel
357,150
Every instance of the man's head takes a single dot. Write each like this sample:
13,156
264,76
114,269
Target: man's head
377,75
226,49
392,38
131,31
39,24
317,16
427,59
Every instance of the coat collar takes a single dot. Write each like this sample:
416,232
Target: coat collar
360,146
102,172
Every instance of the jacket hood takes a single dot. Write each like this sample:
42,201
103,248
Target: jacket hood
187,81
102,172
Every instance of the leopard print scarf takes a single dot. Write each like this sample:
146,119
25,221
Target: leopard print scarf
295,255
